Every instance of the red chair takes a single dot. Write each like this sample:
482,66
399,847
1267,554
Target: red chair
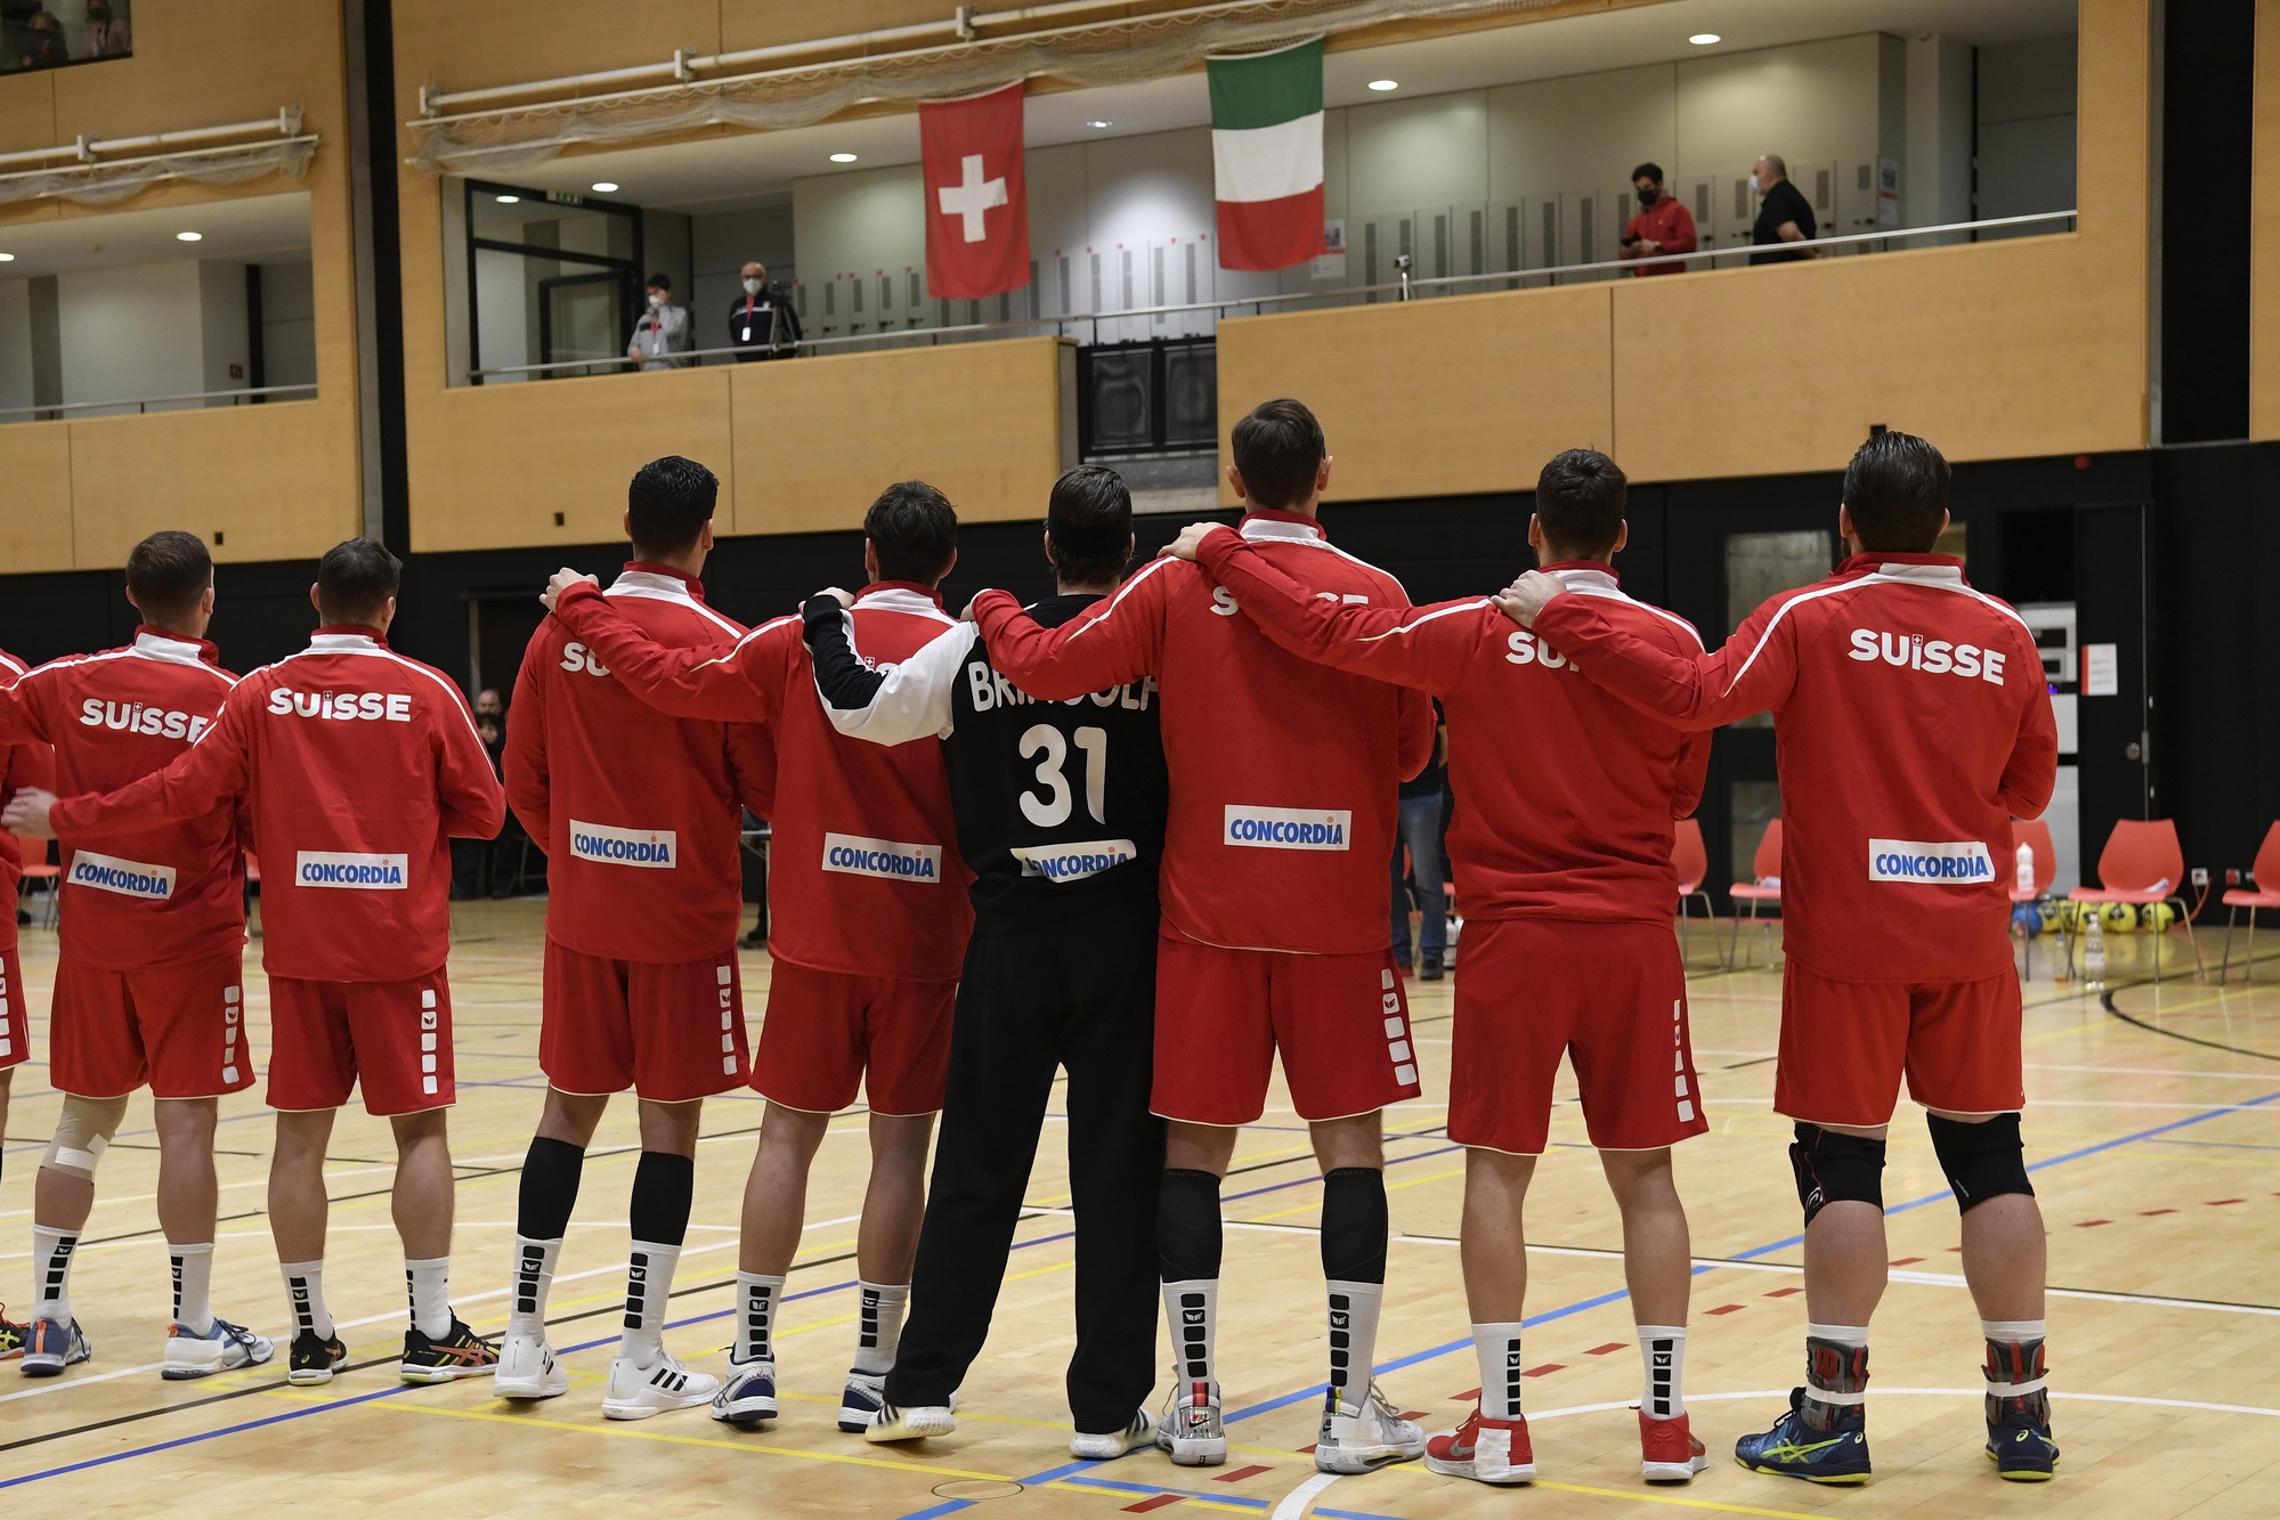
2035,835
1766,867
52,874
2265,894
1692,863
2142,864
252,880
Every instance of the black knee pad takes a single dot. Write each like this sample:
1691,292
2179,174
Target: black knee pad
1983,1160
1836,1168
1188,1229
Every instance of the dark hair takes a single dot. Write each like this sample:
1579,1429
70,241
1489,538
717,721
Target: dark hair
354,581
1896,489
1579,497
668,505
168,572
1278,451
914,530
1089,521
660,281
1651,171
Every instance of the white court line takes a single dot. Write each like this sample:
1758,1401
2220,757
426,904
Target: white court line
1300,1499
2040,1103
2154,1071
1933,1393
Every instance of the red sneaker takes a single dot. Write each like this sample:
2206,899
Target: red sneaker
1668,1452
1484,1450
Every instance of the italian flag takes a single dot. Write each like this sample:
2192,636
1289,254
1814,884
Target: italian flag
1266,156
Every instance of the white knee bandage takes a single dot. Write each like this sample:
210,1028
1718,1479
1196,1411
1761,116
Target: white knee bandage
82,1133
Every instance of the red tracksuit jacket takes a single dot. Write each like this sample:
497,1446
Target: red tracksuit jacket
1913,724
22,766
156,893
640,813
357,766
1566,795
864,876
1284,773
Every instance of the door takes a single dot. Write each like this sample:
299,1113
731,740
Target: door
2113,561
578,318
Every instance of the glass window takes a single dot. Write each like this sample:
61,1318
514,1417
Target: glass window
554,280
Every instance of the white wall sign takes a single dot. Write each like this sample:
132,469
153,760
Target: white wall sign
2101,670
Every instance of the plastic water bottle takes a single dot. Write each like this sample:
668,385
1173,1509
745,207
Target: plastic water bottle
2026,874
2094,952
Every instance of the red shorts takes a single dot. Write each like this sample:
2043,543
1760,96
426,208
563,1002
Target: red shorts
1845,1044
1609,996
395,1036
670,1032
1340,1022
828,1032
181,1028
15,1018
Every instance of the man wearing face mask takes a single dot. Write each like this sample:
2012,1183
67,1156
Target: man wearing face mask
662,330
762,322
1663,225
1784,215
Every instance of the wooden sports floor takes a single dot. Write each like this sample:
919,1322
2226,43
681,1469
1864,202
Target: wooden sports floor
2153,1125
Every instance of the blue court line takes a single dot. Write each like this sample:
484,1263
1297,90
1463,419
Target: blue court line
230,1430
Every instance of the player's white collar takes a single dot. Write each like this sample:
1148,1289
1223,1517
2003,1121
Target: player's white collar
1901,571
158,646
342,643
898,599
1590,582
650,583
1275,527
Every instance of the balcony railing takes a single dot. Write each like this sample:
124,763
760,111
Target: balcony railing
1087,325
139,405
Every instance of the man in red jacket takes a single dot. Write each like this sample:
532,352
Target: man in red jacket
147,984
1662,226
22,766
1914,725
868,919
1277,908
356,767
640,816
1564,845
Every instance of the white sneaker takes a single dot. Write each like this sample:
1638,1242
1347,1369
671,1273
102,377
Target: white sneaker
861,1400
1138,1434
527,1369
220,1349
636,1392
1361,1438
1190,1430
916,1423
748,1397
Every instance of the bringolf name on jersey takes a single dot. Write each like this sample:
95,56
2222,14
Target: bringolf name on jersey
342,706
134,718
1936,657
991,689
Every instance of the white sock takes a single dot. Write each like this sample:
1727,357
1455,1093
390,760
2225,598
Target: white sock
193,1282
755,1335
1191,1309
305,1295
648,1284
1852,1336
51,1273
1662,1352
1496,1348
1353,1338
2015,1329
534,1276
881,1326
428,1283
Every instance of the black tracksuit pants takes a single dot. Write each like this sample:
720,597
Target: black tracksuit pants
1078,992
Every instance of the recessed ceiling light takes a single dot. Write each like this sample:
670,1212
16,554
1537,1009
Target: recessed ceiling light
843,158
1704,39
508,200
1382,85
189,237
604,186
1100,123
7,258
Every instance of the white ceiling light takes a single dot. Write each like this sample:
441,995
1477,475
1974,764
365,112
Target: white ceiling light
1100,123
1705,39
508,200
604,186
843,158
189,237
1382,85
7,258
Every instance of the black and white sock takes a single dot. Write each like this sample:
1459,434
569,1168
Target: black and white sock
427,1284
1496,1348
1354,1226
757,1296
549,1191
663,1185
305,1296
1189,1241
193,1268
878,1332
51,1273
1662,1356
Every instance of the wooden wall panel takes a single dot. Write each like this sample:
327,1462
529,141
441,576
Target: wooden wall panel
2264,233
1433,397
817,439
504,459
456,46
35,523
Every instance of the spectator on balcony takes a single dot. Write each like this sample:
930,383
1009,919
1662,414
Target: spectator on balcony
762,322
1663,225
106,35
1784,215
662,331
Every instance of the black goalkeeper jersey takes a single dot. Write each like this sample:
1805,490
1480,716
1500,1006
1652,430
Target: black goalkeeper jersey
1057,803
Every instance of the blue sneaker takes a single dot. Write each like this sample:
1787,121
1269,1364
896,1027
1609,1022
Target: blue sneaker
2021,1450
747,1396
222,1348
861,1400
1793,1449
50,1347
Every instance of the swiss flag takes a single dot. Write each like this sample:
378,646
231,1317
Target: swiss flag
977,207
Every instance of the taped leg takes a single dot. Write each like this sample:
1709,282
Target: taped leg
83,1132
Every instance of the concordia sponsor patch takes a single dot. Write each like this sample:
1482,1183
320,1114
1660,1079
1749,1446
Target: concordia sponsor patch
128,878
852,855
1963,862
1074,862
655,849
1267,828
332,868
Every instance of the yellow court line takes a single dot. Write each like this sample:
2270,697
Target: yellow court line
673,1440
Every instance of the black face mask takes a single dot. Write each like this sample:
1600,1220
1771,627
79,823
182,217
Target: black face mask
1649,197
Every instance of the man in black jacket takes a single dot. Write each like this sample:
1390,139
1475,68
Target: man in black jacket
762,322
1061,816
